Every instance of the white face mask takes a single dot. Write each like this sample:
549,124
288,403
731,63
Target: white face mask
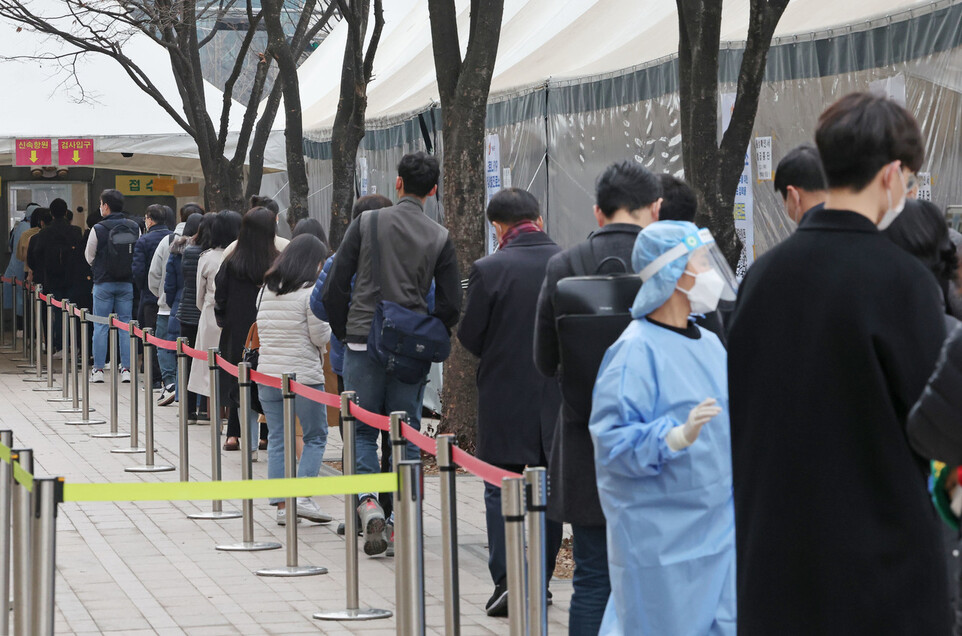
893,212
706,292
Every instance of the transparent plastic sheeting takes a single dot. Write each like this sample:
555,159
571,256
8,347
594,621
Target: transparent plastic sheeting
555,139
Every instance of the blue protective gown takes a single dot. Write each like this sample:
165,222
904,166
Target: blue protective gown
671,517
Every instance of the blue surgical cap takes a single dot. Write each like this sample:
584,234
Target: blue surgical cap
652,242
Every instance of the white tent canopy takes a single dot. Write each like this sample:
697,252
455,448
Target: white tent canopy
44,100
540,40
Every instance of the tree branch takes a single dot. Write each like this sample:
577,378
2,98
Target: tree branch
447,47
375,40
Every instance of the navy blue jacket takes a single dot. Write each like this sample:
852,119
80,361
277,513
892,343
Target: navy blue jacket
143,254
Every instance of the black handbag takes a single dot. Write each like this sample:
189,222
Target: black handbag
251,355
403,341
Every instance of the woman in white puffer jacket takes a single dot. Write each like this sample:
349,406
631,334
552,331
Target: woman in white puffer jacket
292,340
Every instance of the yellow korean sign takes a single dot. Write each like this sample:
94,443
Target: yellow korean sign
141,185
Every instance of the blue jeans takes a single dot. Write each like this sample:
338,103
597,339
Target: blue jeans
590,583
166,359
313,418
112,298
379,392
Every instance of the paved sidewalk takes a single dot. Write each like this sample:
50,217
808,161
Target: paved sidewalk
144,568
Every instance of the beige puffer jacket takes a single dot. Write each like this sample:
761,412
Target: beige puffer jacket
292,338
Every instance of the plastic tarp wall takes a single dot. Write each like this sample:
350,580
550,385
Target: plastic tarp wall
556,138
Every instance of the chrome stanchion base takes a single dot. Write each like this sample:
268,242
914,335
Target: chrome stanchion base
84,422
42,378
223,514
109,435
26,366
73,410
250,546
128,450
48,389
156,468
364,614
60,399
297,570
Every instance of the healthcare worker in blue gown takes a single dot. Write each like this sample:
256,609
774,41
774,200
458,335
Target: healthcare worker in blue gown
665,482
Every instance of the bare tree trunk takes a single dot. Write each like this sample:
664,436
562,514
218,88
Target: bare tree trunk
713,170
351,109
464,86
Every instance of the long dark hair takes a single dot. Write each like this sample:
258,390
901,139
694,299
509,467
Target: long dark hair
222,230
310,226
297,265
255,249
202,237
921,230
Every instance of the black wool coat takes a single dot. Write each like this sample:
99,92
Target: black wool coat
235,309
517,406
833,337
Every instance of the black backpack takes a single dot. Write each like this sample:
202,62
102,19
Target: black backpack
60,255
591,311
121,238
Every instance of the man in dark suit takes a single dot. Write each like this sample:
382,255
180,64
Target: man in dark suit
834,335
517,406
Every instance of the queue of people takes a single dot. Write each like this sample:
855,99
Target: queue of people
732,456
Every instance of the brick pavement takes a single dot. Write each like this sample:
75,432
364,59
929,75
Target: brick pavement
144,568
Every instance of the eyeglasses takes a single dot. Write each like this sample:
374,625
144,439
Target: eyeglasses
911,182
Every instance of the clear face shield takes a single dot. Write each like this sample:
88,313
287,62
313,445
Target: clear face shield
714,280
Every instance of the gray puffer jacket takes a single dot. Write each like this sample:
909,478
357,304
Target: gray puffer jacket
292,337
935,422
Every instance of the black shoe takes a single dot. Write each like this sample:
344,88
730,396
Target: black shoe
549,601
498,603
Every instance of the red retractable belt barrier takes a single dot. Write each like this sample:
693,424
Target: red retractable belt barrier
163,344
265,380
56,303
121,325
327,399
231,369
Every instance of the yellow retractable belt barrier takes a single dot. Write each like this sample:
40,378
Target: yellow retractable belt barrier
196,491
256,489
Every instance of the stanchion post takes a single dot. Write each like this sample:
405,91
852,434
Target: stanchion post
85,372
246,445
48,493
13,316
38,344
396,433
149,466
134,371
22,547
113,347
6,488
19,349
449,533
213,410
183,372
409,555
70,358
512,507
29,327
536,494
290,504
353,612
49,337
64,356
3,322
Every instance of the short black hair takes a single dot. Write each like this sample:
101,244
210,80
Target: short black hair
420,172
189,208
114,200
156,213
628,185
258,201
370,202
679,202
58,208
69,214
94,218
310,226
40,216
512,206
860,133
223,229
801,168
297,265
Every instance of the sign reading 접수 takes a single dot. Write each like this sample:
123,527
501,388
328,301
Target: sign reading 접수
145,185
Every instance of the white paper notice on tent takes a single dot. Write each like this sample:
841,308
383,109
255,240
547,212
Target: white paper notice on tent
363,174
492,180
763,158
891,87
744,197
925,186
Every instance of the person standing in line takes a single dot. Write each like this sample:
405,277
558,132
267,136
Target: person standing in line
43,219
180,287
800,179
412,251
156,277
157,232
293,341
15,268
659,424
236,289
517,406
627,199
110,252
223,231
833,337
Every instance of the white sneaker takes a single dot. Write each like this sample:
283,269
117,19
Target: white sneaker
308,509
166,396
97,376
58,355
282,517
253,456
125,376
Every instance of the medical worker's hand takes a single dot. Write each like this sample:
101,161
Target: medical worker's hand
685,435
